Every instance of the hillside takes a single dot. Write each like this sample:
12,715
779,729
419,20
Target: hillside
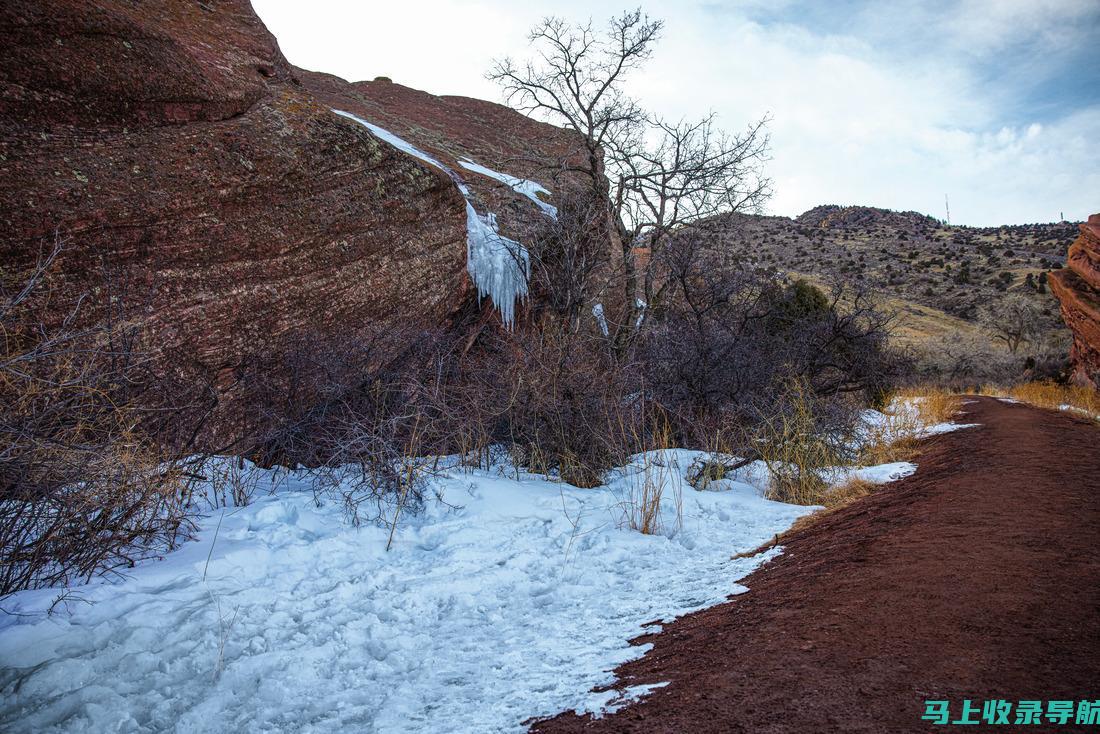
937,276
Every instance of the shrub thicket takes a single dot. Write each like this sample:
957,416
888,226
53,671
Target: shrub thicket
92,475
84,484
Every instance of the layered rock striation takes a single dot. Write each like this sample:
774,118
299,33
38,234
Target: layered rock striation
1077,287
171,145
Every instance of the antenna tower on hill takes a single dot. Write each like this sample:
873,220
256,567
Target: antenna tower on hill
947,205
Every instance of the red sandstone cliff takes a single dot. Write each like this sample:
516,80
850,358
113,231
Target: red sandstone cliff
1077,287
171,141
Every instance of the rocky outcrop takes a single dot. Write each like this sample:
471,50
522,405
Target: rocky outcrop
829,216
170,142
1077,287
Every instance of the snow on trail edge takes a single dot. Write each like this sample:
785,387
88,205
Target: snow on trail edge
516,603
510,598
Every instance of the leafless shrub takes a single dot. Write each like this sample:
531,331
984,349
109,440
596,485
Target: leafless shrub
964,360
722,354
567,256
359,413
798,445
562,400
84,487
232,481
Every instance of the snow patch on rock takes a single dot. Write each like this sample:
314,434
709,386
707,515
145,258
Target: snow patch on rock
522,186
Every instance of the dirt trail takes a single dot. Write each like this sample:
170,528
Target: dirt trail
978,577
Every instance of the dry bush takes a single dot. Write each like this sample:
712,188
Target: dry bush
559,399
232,482
731,338
796,449
570,260
964,361
84,487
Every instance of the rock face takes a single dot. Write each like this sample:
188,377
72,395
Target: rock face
170,142
1077,286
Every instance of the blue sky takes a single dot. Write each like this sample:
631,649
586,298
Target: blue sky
995,103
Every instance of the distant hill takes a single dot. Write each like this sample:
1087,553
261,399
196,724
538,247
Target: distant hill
914,261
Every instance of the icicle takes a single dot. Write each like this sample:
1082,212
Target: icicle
500,267
597,311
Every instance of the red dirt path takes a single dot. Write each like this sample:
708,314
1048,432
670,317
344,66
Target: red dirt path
978,577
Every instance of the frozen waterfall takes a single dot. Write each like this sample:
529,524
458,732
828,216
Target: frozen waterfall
499,266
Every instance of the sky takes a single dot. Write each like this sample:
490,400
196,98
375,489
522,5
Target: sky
994,104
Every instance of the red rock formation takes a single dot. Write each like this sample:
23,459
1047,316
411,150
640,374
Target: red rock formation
173,142
1077,287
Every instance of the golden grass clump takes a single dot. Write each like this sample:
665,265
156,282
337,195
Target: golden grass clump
850,491
1051,395
933,404
897,438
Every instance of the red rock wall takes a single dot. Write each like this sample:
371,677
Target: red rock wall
1077,287
173,142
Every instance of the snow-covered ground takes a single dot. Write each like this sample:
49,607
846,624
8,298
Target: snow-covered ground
511,596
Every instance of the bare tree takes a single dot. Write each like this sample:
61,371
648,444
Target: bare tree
576,81
1015,320
657,177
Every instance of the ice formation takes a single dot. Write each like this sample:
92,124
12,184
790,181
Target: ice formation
530,189
499,266
597,311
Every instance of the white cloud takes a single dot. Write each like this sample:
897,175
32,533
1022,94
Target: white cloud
856,118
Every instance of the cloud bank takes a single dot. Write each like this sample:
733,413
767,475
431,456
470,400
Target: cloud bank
995,103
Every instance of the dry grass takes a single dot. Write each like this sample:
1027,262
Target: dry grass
898,437
658,482
934,404
1053,396
852,490
796,451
